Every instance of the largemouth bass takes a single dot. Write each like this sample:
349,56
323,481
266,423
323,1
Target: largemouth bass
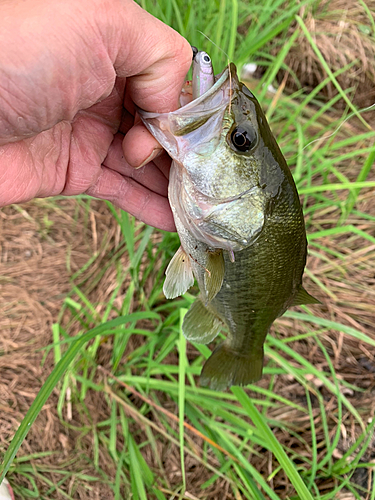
240,223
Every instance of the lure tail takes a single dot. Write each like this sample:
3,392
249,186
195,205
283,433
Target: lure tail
226,367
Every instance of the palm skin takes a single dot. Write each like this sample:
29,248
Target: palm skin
67,104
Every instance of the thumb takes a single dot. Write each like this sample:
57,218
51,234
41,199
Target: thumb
152,56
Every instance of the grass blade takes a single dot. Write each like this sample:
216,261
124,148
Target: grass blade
53,379
273,444
181,393
362,176
330,74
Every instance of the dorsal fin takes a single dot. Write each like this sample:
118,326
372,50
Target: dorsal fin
303,297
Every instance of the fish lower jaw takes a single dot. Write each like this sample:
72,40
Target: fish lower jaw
217,242
214,236
212,225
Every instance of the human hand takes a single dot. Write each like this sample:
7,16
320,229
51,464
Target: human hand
70,74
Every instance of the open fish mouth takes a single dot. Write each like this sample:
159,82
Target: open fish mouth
184,128
205,102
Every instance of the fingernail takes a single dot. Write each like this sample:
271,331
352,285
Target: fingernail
155,153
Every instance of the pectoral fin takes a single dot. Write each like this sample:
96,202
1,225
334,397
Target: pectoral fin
304,297
199,324
214,275
178,276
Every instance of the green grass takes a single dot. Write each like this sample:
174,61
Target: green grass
233,430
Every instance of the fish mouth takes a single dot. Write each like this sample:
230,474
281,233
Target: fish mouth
202,103
181,130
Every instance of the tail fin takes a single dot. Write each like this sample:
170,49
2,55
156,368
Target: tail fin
226,367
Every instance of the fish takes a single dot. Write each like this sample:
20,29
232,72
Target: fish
203,74
240,223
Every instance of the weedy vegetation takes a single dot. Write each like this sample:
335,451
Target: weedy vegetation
125,405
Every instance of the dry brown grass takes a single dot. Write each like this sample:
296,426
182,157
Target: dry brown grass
34,281
37,261
342,31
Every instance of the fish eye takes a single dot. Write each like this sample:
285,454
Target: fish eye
243,139
206,58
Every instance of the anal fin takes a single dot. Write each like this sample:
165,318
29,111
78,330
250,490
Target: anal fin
178,276
214,275
303,297
200,325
